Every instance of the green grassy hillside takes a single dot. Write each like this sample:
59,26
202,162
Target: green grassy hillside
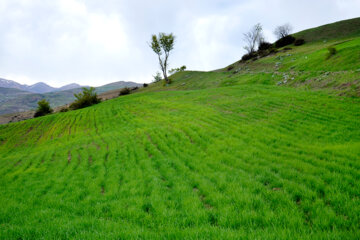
267,149
251,160
341,29
305,67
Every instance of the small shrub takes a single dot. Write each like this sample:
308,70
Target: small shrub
86,98
43,108
248,56
157,77
229,68
124,91
299,42
264,46
331,52
285,41
64,109
134,88
167,83
145,85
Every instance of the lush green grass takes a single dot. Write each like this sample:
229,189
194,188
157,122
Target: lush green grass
265,150
341,29
249,161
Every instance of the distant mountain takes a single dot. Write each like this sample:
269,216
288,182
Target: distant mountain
13,100
4,83
116,85
69,86
39,87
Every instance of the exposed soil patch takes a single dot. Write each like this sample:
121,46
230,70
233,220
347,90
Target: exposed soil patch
69,157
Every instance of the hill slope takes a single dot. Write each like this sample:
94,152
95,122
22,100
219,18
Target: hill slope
341,29
222,162
265,149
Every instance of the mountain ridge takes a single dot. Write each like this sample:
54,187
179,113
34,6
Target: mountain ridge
39,87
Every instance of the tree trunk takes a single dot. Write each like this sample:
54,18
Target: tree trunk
166,78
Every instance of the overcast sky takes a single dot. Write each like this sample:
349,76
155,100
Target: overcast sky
93,42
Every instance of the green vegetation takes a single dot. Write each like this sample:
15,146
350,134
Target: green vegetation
86,98
124,91
162,45
43,108
338,30
331,52
250,160
264,149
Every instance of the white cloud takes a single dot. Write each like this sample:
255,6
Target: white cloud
95,42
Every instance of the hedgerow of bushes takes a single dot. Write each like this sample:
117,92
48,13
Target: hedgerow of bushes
266,48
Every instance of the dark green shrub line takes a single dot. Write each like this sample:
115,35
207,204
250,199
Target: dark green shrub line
265,48
124,91
285,41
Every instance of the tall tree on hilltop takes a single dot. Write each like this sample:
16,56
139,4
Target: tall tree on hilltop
162,46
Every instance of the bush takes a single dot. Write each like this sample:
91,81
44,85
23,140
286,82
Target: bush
43,108
145,85
248,56
134,88
229,68
331,52
264,46
124,91
282,42
64,109
157,77
167,83
299,42
86,98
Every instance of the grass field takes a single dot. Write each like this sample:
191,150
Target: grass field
267,149
243,161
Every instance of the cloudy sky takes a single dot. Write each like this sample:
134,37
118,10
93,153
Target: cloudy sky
93,42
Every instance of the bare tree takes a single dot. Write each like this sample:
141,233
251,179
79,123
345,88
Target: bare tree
162,45
253,38
283,31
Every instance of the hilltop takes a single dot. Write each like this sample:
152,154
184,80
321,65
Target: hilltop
342,29
261,149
